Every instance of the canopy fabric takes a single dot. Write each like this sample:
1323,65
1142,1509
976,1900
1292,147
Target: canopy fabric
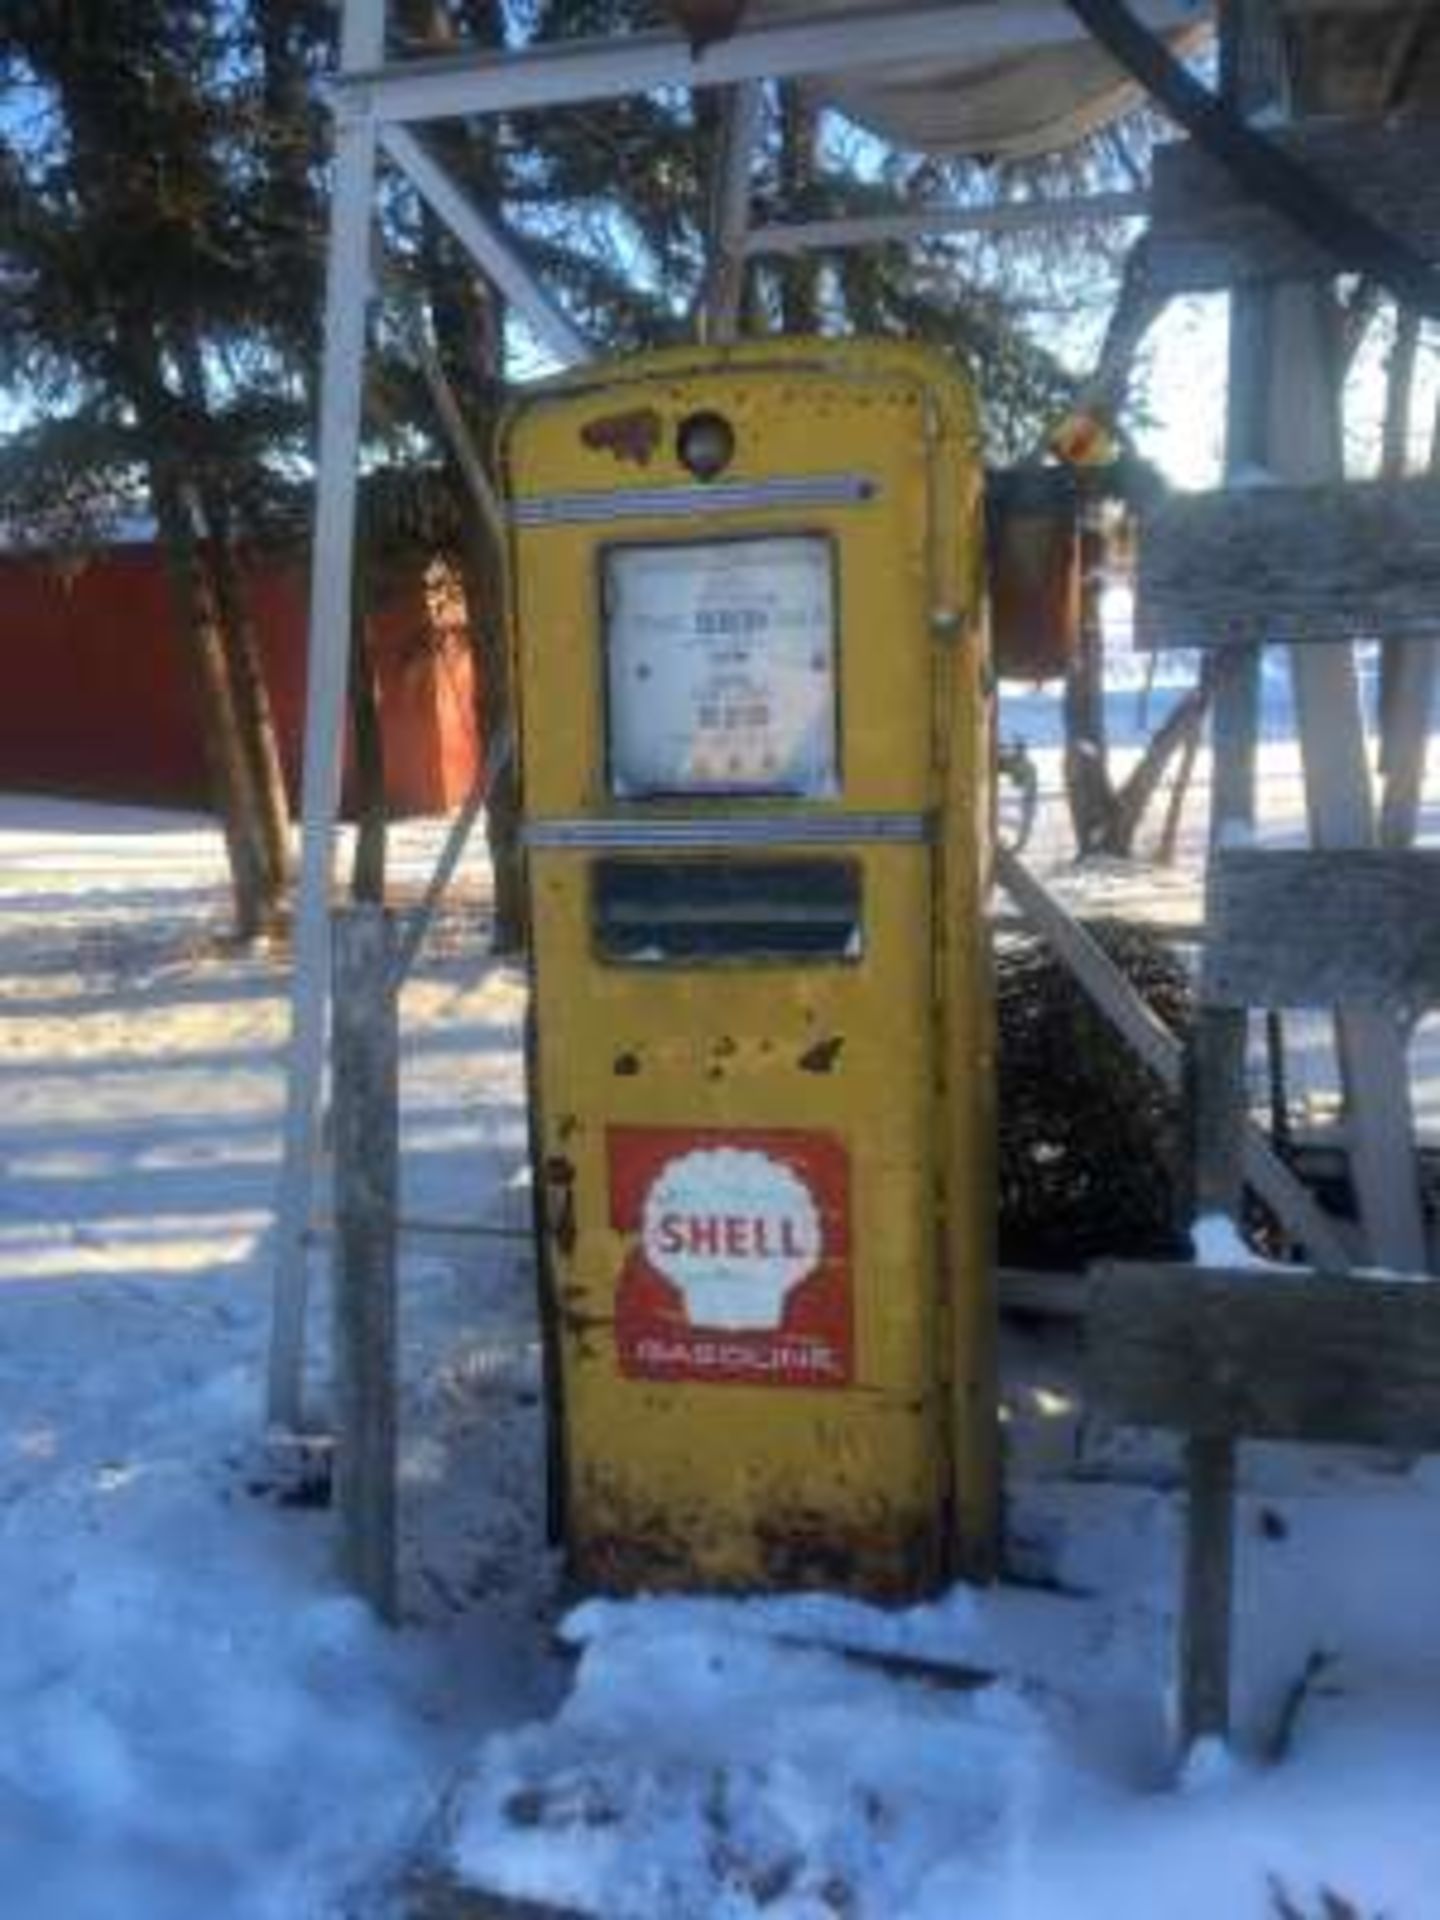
1012,107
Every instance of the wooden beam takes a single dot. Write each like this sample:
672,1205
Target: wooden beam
487,246
1293,1204
609,67
1218,1095
1003,216
349,291
1304,445
1266,1354
1207,1606
1337,562
1207,234
1353,927
367,1160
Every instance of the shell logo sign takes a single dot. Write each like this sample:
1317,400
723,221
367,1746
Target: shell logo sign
738,1267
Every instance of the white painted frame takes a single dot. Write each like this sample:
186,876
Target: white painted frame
376,108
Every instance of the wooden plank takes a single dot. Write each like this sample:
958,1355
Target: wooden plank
1406,669
1266,1354
1207,234
366,1127
1407,740
1218,1107
1295,1207
1329,562
1308,928
1217,1095
1207,1603
1304,445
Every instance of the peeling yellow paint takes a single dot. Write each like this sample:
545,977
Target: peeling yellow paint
886,1485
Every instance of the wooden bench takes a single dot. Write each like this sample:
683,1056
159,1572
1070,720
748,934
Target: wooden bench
1262,1352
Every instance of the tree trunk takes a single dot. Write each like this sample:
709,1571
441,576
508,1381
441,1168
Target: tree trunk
249,694
494,721
468,320
231,783
367,875
1174,811
1087,770
166,426
254,713
798,276
1128,803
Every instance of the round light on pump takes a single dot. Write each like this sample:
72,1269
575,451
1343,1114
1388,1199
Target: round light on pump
705,444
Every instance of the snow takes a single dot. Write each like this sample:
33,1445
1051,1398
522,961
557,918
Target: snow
196,1717
1216,1241
724,1759
713,1752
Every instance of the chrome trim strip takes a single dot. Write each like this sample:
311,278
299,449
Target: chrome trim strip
594,508
731,830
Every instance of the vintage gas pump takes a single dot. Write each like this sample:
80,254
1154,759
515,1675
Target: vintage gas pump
752,689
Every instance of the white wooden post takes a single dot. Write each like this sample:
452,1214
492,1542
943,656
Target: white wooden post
808,41
487,247
1003,216
347,298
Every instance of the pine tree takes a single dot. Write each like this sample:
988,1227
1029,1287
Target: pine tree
132,326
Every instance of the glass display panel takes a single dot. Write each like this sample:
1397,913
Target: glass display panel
721,668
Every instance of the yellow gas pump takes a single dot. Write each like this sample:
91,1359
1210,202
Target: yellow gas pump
752,693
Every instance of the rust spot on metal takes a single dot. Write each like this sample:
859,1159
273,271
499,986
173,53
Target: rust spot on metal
626,1545
805,1555
632,435
649,1555
582,1324
584,1329
822,1056
560,1202
802,1549
625,1065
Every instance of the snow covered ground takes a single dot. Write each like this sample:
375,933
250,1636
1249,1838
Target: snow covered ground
194,1718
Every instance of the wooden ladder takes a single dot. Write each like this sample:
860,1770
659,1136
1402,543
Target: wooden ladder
1289,553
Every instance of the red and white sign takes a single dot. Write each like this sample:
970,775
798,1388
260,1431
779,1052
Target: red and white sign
738,1266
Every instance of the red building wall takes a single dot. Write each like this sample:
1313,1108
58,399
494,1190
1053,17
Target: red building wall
96,698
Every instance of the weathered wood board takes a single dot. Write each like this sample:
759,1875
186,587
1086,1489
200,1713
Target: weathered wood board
1207,233
366,1111
1245,566
1266,1354
1356,928
1207,1611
